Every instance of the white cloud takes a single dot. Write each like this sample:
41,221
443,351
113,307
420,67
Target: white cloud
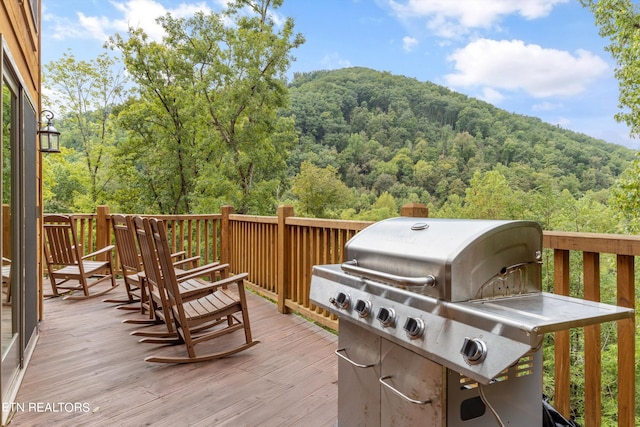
409,43
131,13
450,18
333,61
512,65
563,122
546,106
491,95
94,25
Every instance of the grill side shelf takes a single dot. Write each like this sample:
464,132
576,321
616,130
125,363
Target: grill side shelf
541,312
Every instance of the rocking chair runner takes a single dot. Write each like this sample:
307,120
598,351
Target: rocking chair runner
66,261
196,303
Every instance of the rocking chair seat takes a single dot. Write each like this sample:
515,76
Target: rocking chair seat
90,267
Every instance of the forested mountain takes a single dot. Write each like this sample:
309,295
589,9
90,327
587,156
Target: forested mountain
368,142
418,141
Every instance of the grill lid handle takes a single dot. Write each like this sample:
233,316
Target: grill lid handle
352,267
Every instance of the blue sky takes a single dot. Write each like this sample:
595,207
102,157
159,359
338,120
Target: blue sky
541,58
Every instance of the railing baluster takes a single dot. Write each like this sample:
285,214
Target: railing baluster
626,342
562,339
592,353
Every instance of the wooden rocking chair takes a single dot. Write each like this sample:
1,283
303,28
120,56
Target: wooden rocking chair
196,303
66,261
155,299
133,268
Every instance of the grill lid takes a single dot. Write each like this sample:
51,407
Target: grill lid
450,259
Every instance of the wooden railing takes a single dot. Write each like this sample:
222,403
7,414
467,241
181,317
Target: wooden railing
625,248
278,253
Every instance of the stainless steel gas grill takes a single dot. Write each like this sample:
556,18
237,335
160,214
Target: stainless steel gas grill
441,322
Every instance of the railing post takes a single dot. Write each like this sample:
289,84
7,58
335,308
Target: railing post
225,236
103,222
414,210
284,256
626,342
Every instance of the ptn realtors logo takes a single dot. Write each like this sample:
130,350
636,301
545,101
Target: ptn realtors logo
66,407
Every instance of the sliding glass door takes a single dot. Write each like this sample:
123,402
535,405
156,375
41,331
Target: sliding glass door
10,309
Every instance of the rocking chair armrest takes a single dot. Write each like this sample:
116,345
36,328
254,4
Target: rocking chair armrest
99,251
193,260
205,270
179,255
209,288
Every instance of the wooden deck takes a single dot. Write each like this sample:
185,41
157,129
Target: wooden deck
87,370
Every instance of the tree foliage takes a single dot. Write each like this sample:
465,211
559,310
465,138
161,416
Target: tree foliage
207,102
420,142
619,21
319,191
87,92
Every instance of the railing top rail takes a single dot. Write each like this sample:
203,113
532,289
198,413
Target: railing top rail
619,244
77,215
329,223
254,218
183,217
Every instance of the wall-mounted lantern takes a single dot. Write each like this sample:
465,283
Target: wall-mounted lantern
49,136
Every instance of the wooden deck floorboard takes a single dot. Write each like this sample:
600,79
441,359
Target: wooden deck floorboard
85,354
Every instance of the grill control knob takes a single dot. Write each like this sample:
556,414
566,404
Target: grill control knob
341,300
386,316
363,308
414,327
473,350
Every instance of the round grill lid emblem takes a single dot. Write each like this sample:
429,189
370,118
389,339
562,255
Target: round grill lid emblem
420,226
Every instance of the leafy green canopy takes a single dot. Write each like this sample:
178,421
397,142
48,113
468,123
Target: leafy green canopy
204,125
619,21
411,141
87,92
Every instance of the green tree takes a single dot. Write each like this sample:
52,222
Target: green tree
319,191
619,21
87,92
625,196
384,207
208,99
490,197
64,184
